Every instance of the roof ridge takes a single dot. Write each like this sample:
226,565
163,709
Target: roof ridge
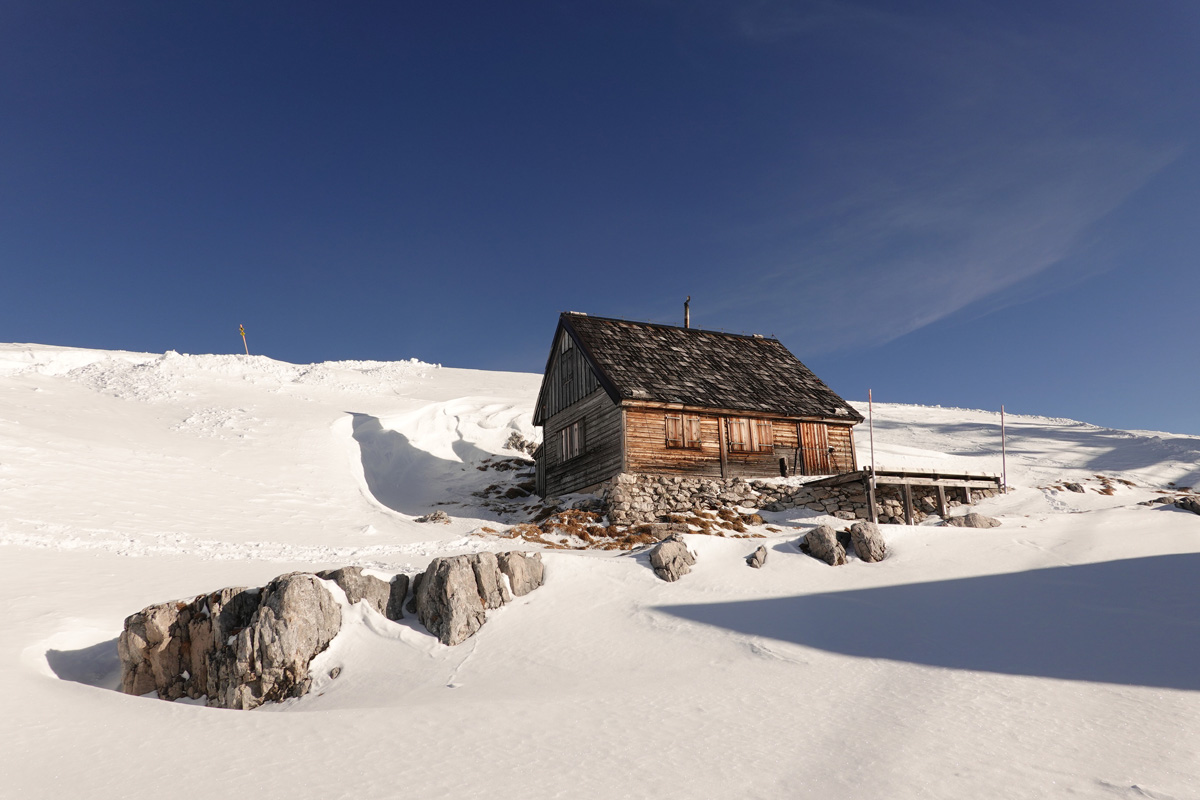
581,315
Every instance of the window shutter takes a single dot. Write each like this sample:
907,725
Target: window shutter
764,439
691,431
674,430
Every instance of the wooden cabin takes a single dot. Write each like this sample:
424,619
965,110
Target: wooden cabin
620,396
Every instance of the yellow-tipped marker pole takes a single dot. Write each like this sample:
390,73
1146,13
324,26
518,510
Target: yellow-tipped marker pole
242,331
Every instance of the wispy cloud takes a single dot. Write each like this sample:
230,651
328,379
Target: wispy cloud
989,180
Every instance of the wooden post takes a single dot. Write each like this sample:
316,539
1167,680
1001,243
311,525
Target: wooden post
869,484
967,495
941,501
724,440
871,428
908,507
1003,454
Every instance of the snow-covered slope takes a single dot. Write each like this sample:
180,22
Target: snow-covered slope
1054,656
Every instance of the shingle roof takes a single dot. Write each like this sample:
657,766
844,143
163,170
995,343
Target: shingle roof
643,361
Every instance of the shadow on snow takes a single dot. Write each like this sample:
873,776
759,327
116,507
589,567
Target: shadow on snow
96,665
404,477
1134,622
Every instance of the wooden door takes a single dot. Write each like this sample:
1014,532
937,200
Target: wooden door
814,449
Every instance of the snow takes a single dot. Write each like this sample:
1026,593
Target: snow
1051,657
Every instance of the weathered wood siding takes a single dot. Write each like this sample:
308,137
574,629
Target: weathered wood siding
841,439
646,440
647,451
602,451
568,380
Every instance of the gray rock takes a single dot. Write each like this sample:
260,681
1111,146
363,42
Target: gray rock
661,530
524,570
268,659
240,647
868,541
416,588
166,648
821,542
671,559
1188,504
489,580
219,616
758,557
973,520
1073,487
448,601
360,587
150,650
399,590
519,443
435,516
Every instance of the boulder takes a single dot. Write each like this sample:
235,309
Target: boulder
758,557
447,600
166,648
524,570
519,443
268,659
240,647
973,520
220,615
1191,504
670,558
435,516
1073,487
359,587
821,542
868,541
150,649
489,580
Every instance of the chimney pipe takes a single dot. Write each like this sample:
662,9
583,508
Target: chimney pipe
687,315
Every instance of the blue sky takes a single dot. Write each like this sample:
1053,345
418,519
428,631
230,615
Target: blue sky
957,203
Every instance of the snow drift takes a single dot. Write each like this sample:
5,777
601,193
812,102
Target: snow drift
1053,656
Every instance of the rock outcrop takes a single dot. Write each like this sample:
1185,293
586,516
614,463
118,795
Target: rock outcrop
240,647
670,558
1188,504
822,543
386,598
973,520
524,570
758,557
868,541
452,596
268,659
435,516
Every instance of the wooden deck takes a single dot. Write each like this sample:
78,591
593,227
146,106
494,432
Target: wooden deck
908,478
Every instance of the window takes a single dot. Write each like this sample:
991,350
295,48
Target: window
749,435
570,441
683,431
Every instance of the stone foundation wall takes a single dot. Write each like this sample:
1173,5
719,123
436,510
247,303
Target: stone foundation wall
631,499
